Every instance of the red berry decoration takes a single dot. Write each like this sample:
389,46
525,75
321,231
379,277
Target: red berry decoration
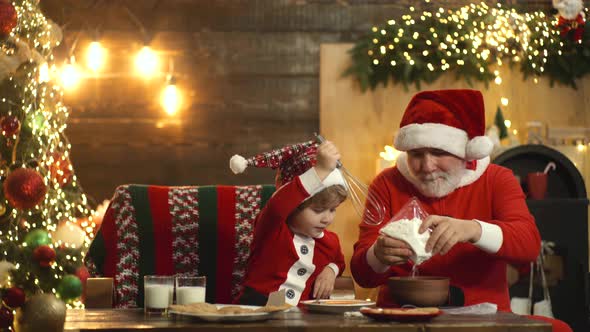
24,188
82,274
6,317
8,18
14,297
10,124
60,169
44,255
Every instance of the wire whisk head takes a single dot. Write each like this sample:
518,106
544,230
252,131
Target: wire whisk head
364,202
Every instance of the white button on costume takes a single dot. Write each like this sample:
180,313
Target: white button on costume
295,282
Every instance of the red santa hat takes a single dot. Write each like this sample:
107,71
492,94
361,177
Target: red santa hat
289,161
449,120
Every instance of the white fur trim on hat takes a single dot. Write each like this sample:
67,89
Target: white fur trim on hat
334,178
478,147
238,164
432,135
311,181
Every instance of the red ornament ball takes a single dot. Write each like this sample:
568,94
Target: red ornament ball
10,124
24,188
6,317
8,18
44,255
14,297
60,169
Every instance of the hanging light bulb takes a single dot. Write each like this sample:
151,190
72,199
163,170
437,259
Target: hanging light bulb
146,62
171,96
95,57
70,74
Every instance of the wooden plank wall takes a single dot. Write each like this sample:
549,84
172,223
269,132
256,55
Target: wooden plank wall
249,70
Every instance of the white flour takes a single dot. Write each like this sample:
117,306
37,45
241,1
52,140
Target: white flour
407,231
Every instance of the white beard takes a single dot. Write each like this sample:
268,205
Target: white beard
439,184
465,176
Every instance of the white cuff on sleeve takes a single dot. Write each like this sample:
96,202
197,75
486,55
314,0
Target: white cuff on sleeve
491,237
374,263
335,268
311,181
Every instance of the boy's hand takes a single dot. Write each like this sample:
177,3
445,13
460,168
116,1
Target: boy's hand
324,284
326,159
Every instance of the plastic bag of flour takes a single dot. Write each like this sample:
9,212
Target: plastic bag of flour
404,226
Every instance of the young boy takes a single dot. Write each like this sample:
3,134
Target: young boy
292,250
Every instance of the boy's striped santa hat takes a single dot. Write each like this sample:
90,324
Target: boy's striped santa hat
289,161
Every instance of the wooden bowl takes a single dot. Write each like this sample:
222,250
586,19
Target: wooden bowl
419,291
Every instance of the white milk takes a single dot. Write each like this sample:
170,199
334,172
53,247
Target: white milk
158,296
190,294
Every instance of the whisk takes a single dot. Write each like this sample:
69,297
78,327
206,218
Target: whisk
372,212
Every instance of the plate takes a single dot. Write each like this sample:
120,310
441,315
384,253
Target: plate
336,306
225,317
401,314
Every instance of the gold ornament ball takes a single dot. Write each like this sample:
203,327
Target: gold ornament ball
2,209
42,312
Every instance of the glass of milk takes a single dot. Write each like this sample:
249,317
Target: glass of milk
158,294
190,289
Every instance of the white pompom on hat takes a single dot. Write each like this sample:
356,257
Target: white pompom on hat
238,164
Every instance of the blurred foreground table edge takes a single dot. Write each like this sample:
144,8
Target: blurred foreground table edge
80,320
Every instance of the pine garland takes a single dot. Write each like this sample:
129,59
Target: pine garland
472,43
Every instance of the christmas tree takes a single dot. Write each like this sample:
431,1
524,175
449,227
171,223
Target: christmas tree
42,204
501,124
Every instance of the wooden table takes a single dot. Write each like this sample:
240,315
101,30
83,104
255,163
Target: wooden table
134,320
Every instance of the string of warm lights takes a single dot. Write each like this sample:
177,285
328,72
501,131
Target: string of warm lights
147,65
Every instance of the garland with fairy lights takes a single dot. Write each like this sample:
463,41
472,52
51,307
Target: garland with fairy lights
472,42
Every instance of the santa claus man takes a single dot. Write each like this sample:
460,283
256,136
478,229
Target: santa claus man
479,221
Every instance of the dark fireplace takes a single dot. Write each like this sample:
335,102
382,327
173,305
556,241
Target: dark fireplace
562,218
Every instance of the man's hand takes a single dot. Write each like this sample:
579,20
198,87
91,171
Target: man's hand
326,159
447,231
390,251
324,284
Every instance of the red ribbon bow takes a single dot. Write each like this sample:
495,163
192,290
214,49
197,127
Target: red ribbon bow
576,24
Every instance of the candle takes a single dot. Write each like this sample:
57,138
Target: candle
190,294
